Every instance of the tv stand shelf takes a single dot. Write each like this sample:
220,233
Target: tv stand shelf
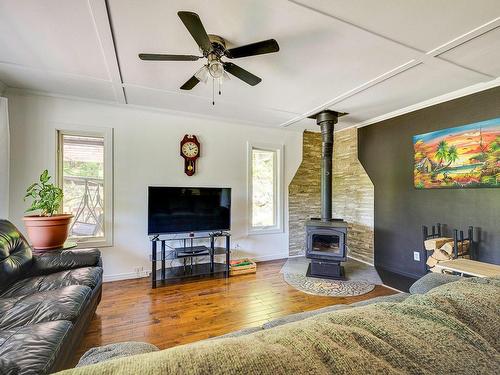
187,253
190,272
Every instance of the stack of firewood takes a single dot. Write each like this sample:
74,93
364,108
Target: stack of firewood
442,250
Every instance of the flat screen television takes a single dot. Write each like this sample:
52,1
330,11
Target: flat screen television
188,209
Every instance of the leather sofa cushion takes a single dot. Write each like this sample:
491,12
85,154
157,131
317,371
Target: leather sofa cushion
60,260
60,304
32,349
15,254
88,276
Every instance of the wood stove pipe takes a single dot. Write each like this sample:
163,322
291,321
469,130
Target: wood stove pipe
326,120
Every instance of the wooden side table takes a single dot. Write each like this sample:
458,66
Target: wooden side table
469,267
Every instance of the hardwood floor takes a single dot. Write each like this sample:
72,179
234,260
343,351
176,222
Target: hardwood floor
182,313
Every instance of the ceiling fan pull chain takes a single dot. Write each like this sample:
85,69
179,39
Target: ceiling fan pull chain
219,81
213,91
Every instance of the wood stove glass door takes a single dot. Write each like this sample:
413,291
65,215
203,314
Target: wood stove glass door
327,243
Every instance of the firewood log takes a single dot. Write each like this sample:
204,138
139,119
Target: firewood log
462,247
436,243
441,255
431,262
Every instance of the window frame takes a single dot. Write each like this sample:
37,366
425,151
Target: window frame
107,135
278,150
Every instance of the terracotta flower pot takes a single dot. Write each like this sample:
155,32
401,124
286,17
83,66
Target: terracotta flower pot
48,232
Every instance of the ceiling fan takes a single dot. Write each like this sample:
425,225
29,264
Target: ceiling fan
213,48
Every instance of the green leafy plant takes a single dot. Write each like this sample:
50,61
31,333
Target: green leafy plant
46,196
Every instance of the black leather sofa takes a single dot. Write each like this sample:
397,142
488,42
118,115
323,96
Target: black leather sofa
46,303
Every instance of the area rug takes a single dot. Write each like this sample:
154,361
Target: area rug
361,279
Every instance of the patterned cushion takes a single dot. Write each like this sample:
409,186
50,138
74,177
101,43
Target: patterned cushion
430,281
302,315
398,297
112,351
241,332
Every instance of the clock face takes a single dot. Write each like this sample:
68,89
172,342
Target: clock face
190,149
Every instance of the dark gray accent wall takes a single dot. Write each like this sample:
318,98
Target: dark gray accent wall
386,152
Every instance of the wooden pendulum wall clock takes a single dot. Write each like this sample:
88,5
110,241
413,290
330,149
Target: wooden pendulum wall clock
190,151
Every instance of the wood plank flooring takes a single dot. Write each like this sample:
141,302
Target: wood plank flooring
182,313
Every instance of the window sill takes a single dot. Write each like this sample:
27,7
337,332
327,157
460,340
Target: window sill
85,244
254,231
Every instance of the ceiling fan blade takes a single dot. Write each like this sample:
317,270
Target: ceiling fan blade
191,82
193,23
160,57
241,73
259,48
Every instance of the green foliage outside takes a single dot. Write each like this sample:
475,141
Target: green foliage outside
46,196
263,188
83,169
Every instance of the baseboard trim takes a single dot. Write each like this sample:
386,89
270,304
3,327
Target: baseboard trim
265,258
125,276
360,260
134,275
399,272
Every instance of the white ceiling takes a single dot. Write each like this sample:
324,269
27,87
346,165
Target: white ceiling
368,58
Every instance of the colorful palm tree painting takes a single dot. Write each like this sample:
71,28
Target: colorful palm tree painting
461,157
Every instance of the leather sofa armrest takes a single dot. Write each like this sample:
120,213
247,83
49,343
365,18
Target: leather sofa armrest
60,260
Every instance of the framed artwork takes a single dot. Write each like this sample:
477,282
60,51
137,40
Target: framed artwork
467,156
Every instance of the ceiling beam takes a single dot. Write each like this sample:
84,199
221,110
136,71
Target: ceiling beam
209,100
424,57
430,102
9,65
464,38
381,78
104,31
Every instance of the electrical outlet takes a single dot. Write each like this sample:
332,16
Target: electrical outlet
416,256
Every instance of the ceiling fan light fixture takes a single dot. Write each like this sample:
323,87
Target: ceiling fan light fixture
216,69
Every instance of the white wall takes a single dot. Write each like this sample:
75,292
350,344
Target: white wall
146,152
4,158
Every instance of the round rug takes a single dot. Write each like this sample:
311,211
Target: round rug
326,287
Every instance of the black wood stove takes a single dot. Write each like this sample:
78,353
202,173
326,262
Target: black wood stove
326,237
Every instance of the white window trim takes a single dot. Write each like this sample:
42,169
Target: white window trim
107,134
279,164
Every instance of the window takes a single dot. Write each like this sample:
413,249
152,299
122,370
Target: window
265,191
84,174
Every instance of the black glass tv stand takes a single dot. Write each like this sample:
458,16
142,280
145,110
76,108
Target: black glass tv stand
187,253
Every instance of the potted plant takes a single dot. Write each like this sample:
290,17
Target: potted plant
47,230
